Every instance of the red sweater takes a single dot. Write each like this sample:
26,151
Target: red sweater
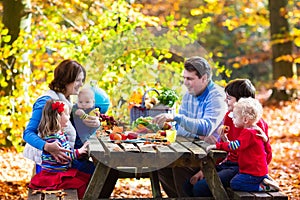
251,151
234,133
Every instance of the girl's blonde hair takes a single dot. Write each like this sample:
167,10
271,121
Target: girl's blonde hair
50,121
250,108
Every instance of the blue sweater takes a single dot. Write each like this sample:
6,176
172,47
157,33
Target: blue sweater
30,135
201,115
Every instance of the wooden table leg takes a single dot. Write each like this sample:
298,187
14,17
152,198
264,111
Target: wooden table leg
213,180
97,181
156,193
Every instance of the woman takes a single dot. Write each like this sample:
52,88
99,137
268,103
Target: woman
69,76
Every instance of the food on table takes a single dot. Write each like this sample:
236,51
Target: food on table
144,125
117,129
115,136
162,132
167,126
132,135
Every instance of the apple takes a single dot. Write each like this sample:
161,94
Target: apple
115,136
167,126
162,133
124,137
132,135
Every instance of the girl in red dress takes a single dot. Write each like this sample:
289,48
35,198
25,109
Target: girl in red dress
55,175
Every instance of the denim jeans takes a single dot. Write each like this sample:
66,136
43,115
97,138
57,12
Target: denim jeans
246,182
226,171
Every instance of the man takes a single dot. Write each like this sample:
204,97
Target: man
200,113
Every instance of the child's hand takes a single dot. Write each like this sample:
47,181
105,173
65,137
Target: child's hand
261,133
84,149
223,131
196,177
210,147
79,112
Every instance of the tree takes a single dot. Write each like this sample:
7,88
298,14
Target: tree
14,16
281,42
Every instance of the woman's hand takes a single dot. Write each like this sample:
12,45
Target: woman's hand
196,177
58,152
92,121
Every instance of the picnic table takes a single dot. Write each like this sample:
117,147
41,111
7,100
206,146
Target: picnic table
146,160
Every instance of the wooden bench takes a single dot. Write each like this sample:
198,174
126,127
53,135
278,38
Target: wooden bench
239,195
70,194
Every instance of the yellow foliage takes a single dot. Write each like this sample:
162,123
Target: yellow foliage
297,41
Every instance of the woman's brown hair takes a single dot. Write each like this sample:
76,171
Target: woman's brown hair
66,72
50,121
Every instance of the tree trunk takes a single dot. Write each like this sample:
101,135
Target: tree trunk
281,44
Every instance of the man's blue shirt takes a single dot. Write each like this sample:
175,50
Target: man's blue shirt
201,115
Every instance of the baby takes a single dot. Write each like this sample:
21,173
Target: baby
84,108
86,101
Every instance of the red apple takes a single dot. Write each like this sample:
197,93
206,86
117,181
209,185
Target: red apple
124,137
167,126
115,136
162,133
132,135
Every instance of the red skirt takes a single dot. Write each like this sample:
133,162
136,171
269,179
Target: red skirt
70,179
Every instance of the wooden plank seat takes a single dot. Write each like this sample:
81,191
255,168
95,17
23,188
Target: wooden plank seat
70,194
239,195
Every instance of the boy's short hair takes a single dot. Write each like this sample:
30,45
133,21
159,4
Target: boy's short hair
240,88
250,108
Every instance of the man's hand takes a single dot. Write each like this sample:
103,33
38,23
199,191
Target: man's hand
162,118
58,152
196,177
92,121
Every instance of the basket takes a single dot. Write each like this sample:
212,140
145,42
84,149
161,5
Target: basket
142,111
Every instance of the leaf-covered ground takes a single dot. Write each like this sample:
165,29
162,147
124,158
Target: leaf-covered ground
284,131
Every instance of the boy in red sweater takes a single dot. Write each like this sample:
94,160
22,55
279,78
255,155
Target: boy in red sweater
253,172
196,186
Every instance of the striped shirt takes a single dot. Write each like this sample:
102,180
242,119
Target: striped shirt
201,115
48,161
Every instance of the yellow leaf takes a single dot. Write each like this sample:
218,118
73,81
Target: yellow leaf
236,65
195,12
297,41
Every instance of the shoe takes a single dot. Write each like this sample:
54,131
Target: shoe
270,185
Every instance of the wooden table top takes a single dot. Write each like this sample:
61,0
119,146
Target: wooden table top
183,152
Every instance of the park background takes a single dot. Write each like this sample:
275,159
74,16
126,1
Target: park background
135,45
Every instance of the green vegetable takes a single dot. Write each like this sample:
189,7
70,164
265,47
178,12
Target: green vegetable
147,122
168,97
